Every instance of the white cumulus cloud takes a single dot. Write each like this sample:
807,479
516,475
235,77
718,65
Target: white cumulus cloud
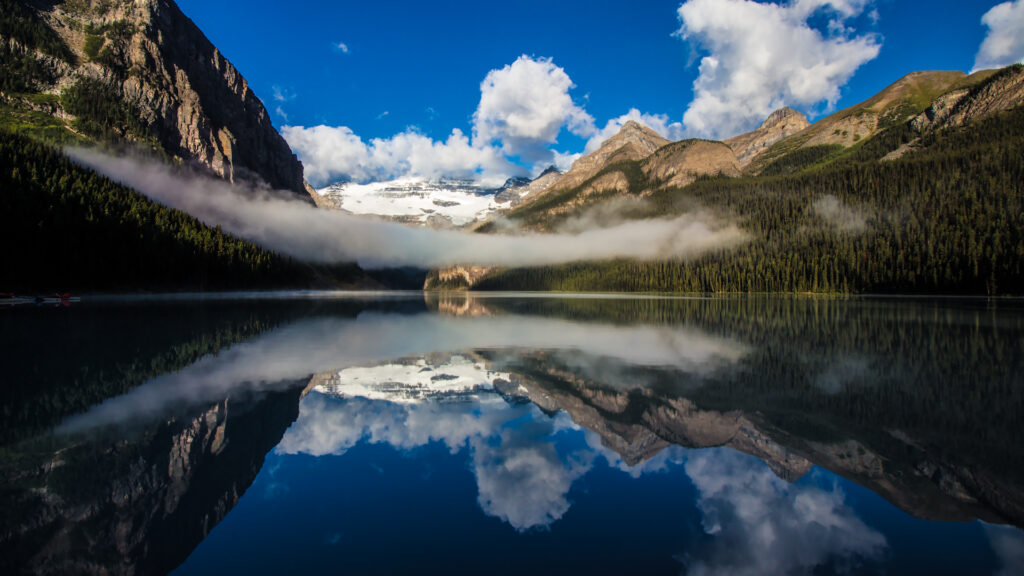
1004,44
845,8
763,56
330,153
522,478
562,161
524,107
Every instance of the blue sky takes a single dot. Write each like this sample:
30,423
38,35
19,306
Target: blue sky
416,67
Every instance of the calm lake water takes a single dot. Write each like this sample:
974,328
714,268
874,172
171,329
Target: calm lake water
412,433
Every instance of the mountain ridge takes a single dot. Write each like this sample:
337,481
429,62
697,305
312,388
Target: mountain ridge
633,141
895,104
143,72
843,209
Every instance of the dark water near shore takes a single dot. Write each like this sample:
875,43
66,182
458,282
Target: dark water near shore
411,433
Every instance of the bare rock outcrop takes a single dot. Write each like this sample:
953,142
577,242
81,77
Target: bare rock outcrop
611,182
681,163
780,124
455,277
958,107
634,141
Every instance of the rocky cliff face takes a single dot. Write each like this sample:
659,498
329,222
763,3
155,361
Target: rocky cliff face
983,94
897,103
191,101
780,124
939,112
1001,91
150,499
455,277
681,163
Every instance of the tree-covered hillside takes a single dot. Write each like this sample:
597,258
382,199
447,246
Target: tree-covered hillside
66,227
946,218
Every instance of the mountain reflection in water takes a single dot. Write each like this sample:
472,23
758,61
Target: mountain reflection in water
787,433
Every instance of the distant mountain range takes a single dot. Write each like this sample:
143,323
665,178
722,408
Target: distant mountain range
785,136
440,203
917,189
446,202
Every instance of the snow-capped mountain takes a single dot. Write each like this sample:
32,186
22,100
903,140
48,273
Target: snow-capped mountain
443,203
440,379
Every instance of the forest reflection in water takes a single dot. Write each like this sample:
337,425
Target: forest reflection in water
768,414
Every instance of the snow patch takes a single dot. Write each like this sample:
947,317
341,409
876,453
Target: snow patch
414,381
460,202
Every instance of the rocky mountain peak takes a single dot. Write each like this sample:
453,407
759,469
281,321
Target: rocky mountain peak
549,170
633,132
780,124
634,141
527,189
515,182
785,115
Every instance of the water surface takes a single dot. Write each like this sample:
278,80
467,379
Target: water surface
411,433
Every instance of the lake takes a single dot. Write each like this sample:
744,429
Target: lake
323,433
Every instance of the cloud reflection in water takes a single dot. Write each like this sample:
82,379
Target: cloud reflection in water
523,473
764,525
753,518
522,478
